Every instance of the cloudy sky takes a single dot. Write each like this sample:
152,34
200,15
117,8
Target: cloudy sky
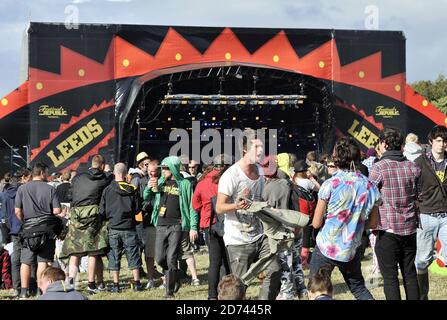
423,22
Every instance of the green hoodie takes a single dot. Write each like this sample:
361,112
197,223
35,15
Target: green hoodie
190,219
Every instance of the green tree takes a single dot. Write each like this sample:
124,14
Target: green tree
435,91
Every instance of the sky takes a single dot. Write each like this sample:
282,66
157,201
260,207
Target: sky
423,23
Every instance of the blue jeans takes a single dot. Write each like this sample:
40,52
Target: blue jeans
351,271
433,228
127,241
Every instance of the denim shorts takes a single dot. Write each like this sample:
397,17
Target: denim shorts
127,241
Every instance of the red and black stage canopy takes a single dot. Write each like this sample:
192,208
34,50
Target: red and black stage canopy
80,81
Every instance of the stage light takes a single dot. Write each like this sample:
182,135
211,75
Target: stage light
203,113
313,134
234,118
213,118
257,118
169,119
282,121
290,136
193,118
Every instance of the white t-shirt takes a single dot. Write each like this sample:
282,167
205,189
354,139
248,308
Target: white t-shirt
305,183
241,227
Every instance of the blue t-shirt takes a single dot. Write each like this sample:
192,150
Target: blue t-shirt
350,198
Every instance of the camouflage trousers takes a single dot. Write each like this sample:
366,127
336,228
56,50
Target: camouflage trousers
87,233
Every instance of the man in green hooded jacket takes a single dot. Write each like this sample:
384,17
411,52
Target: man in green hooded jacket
172,215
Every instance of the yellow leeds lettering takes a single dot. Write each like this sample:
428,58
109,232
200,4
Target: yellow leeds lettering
75,142
364,135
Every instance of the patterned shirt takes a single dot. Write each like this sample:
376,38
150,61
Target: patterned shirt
397,182
350,199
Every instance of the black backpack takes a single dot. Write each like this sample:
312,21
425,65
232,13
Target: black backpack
218,227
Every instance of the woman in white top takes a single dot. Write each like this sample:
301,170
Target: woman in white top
303,177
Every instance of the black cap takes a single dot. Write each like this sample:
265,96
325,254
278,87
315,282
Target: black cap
300,166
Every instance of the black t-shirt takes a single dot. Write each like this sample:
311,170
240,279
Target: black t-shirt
440,169
63,192
171,202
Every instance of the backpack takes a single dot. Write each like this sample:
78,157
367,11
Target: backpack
218,227
302,200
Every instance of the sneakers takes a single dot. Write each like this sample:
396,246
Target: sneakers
150,284
136,286
115,288
195,282
70,283
92,291
24,294
284,296
102,287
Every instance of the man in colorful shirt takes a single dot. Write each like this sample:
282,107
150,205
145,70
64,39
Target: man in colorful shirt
396,177
432,205
347,204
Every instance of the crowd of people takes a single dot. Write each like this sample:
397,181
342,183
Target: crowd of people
393,198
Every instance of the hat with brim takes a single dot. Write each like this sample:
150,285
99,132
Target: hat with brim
301,166
142,156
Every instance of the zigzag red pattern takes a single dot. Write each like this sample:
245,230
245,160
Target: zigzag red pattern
125,60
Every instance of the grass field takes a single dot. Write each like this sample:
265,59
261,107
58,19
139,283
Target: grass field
438,283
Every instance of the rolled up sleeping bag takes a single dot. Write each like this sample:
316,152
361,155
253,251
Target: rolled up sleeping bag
289,218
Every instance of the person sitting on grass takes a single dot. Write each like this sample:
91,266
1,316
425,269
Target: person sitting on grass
52,284
320,285
119,206
231,288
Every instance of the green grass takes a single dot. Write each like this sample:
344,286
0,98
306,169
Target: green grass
438,285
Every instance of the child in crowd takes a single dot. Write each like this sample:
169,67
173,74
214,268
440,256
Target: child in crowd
231,288
320,285
53,286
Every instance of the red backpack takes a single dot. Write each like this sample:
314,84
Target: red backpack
302,200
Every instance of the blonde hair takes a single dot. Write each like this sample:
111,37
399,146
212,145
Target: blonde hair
411,138
314,170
